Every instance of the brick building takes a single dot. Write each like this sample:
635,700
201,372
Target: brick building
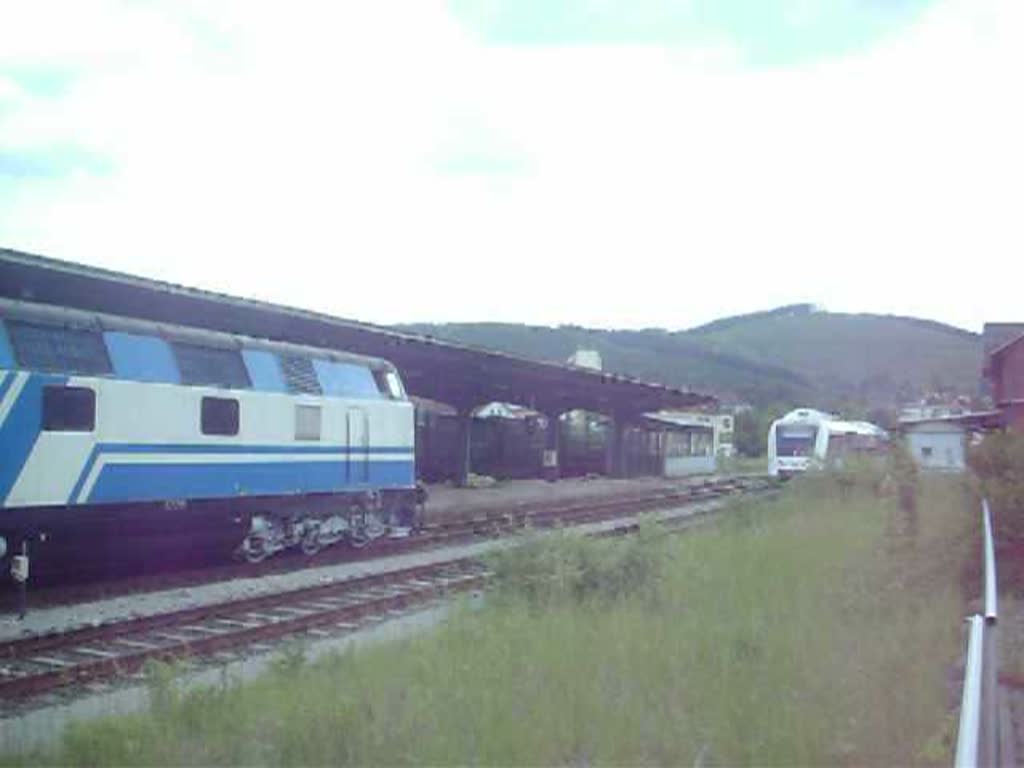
1004,370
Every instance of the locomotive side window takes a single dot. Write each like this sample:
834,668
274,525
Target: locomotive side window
219,416
69,409
307,422
58,349
210,366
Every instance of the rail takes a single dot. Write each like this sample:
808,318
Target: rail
979,733
42,663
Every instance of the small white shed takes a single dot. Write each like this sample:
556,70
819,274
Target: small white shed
688,444
939,444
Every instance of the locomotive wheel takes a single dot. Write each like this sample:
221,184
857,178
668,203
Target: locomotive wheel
311,543
254,549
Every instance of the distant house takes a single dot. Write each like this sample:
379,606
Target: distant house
688,443
937,443
1003,369
722,426
587,358
940,442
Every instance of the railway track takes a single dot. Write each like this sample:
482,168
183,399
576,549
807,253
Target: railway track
496,521
30,666
499,522
34,665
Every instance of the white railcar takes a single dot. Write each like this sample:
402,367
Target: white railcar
806,439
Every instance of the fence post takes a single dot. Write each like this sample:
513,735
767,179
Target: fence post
990,697
981,708
991,593
970,703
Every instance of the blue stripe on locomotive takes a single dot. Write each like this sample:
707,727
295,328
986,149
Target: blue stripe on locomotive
153,482
194,479
6,379
6,353
20,430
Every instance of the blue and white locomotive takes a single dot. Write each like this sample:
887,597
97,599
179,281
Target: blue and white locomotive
120,436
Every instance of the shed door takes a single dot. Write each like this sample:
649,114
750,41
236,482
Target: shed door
358,446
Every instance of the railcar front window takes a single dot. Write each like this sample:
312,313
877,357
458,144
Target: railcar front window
795,442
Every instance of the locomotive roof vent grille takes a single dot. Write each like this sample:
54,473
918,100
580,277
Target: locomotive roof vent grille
300,375
57,349
210,366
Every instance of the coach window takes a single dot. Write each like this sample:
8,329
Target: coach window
219,416
307,422
69,409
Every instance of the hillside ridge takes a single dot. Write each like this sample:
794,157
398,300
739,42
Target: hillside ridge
794,354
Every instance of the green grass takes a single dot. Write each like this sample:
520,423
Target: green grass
814,629
743,465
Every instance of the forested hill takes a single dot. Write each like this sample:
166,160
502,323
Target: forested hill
793,354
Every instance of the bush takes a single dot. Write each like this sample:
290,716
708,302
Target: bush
894,474
998,465
548,569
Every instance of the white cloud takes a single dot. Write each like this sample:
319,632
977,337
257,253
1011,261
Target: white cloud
293,156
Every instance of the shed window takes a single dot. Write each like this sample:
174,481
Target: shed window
219,416
69,409
299,375
57,349
307,422
211,366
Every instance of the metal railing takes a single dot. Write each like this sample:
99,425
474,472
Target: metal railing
978,737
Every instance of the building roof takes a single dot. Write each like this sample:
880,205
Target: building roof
973,420
1005,346
996,335
680,420
457,374
996,338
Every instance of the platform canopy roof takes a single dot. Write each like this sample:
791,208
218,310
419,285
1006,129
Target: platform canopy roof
457,374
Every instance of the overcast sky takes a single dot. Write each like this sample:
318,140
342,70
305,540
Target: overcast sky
605,163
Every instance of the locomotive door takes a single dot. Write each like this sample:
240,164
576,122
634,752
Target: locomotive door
358,426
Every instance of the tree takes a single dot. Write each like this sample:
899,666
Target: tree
751,429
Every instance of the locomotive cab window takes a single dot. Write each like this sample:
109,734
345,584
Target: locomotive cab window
389,384
69,409
219,416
